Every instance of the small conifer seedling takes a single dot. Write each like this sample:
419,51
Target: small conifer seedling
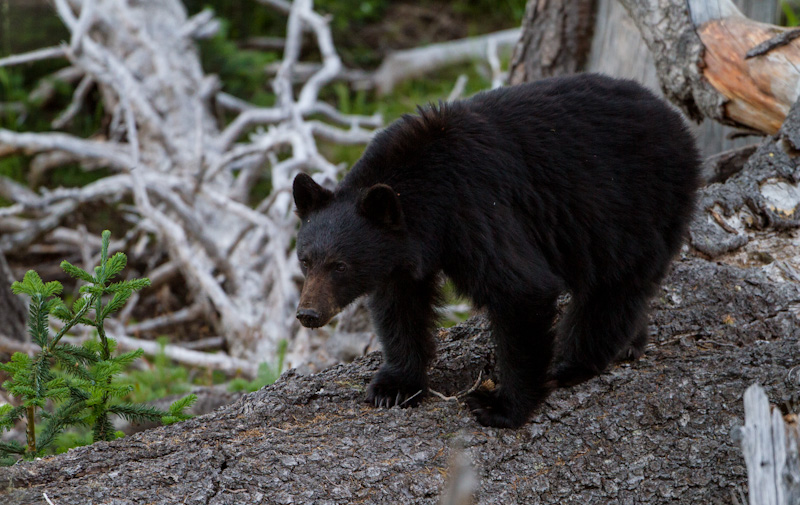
63,385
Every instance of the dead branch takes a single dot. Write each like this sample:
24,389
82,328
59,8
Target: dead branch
401,65
188,180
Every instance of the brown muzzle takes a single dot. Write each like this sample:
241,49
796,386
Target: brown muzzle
317,304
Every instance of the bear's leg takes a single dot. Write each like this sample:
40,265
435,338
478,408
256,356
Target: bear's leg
524,346
597,329
404,315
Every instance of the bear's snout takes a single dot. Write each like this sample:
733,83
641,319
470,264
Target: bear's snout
309,318
317,302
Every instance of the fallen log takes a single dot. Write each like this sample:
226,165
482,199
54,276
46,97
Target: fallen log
655,431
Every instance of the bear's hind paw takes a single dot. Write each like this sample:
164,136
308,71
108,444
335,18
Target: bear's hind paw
491,409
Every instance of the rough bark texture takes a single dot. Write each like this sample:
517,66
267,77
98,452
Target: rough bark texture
555,41
762,196
656,431
613,45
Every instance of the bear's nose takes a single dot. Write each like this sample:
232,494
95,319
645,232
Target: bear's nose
308,318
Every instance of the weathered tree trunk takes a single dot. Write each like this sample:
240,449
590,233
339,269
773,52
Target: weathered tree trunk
611,45
555,40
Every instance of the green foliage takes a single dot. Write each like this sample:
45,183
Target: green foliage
266,374
790,14
64,385
493,11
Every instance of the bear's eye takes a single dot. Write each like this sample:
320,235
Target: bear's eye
305,264
340,266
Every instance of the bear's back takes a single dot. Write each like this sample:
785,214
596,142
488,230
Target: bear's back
596,174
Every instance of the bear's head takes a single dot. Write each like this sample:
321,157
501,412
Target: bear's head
348,243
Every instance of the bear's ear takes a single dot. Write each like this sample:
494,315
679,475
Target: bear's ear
308,195
381,206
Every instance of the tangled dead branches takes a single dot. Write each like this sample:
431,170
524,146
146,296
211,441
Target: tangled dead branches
180,182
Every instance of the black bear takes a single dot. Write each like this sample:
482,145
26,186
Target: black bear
583,184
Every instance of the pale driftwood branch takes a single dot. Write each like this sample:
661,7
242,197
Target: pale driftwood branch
36,142
458,88
202,25
232,103
770,448
329,112
415,62
77,102
331,63
189,357
190,182
9,346
353,136
203,343
359,79
48,53
494,63
190,313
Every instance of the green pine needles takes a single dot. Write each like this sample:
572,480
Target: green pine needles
65,385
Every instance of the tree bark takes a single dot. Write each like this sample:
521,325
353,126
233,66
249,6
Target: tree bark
555,40
615,47
655,431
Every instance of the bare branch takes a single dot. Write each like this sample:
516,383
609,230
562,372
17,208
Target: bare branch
415,62
458,88
37,142
190,313
75,105
189,221
47,53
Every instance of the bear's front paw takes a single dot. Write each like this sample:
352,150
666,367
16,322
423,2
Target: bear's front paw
388,390
492,409
567,374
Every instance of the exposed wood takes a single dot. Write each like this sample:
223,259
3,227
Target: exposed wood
770,447
615,47
700,58
759,90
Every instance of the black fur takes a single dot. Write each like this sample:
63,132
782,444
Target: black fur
581,183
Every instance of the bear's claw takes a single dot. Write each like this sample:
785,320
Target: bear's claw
385,390
384,397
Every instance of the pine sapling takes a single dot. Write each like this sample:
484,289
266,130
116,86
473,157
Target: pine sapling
81,382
